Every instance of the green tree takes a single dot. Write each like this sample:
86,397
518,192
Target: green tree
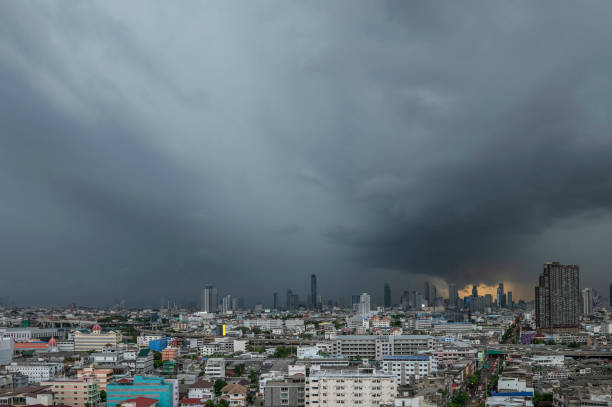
219,384
239,369
253,376
102,395
539,397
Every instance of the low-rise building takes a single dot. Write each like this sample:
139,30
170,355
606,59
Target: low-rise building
74,392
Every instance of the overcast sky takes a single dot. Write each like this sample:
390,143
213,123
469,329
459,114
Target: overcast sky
148,148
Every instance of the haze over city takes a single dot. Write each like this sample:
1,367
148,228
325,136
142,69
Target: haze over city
147,151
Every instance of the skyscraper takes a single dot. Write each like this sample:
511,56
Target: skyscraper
509,299
405,300
387,297
474,290
426,291
275,302
557,298
292,300
364,304
226,303
587,301
313,291
452,295
500,295
209,299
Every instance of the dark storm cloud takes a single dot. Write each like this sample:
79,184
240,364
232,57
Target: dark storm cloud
147,150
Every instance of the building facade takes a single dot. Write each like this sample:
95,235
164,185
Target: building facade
76,393
364,387
286,392
141,386
557,298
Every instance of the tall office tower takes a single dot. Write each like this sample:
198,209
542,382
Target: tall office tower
313,291
427,291
452,295
209,299
587,301
235,303
488,299
405,300
474,290
503,300
364,304
275,302
226,303
387,297
509,299
500,294
433,294
355,302
291,300
557,298
417,300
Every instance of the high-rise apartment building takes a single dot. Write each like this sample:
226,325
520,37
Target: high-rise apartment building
405,300
313,291
557,298
226,303
387,296
292,300
364,304
209,299
587,301
452,295
500,295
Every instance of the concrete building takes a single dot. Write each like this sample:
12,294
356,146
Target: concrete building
215,367
557,298
169,353
140,386
96,340
101,376
202,390
209,299
387,296
587,301
6,350
377,346
74,392
26,334
365,387
364,304
36,372
286,392
144,361
313,292
235,394
408,369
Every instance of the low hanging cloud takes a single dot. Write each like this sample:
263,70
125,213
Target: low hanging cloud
251,146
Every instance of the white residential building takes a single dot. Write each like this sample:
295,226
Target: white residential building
36,372
408,369
364,387
215,367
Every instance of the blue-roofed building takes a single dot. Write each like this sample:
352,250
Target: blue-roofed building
141,386
408,369
158,344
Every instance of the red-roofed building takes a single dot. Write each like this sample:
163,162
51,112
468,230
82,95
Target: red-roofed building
140,402
187,402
